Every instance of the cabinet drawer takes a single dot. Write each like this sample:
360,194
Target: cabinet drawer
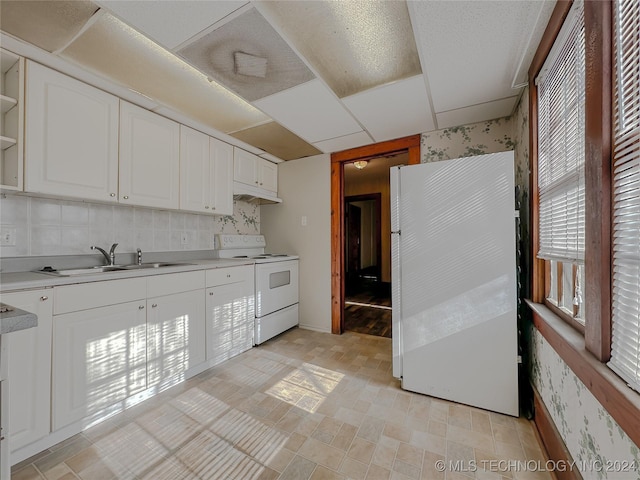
72,298
171,283
223,276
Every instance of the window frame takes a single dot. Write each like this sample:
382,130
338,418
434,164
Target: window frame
586,354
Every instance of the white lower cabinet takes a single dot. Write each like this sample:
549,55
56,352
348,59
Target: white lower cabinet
29,370
99,359
230,312
99,347
175,335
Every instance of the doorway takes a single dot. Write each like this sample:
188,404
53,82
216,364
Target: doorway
367,298
407,146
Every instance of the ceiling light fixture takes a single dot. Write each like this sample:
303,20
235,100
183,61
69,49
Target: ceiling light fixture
360,164
249,65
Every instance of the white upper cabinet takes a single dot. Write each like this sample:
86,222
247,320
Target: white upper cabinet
245,167
255,171
194,170
206,173
149,158
221,170
71,137
267,175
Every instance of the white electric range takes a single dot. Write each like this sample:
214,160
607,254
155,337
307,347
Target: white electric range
276,283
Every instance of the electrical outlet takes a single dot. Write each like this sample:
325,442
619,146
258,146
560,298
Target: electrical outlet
303,221
184,239
8,236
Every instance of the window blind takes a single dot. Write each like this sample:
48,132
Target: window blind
625,348
561,100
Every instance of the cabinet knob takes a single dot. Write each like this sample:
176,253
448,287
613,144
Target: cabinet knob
112,194
210,293
126,197
260,183
213,208
154,305
207,207
256,182
140,307
228,275
44,298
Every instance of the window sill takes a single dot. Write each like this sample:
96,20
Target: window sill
622,403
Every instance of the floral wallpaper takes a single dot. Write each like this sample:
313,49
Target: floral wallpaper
467,140
596,442
59,227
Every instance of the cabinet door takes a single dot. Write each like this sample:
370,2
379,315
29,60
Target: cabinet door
99,359
29,370
149,158
230,319
245,167
195,173
221,165
268,176
175,335
71,137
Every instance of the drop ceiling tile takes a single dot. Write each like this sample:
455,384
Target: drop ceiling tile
112,49
393,111
247,56
171,22
343,143
353,45
477,113
276,140
471,50
46,24
311,111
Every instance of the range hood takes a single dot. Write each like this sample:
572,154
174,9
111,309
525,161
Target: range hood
248,193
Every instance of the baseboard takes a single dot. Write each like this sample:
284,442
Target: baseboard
552,441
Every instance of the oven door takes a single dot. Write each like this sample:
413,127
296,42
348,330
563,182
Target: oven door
276,286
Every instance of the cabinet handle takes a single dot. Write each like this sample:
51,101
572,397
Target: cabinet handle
44,298
228,275
210,293
126,197
140,307
154,305
213,208
112,194
207,207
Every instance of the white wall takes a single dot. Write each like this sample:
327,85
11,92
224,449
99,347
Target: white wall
305,188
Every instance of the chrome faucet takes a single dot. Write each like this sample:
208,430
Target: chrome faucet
139,256
111,256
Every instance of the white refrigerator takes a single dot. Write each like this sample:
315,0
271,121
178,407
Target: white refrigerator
453,256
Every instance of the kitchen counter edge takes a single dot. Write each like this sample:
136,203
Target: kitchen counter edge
18,281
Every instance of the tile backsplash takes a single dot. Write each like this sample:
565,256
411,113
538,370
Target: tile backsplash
60,227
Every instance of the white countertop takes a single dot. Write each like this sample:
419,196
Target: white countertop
10,282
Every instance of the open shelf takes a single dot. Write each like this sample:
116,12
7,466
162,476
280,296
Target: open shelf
6,142
7,103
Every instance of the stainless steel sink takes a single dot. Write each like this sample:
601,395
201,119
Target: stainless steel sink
68,272
152,265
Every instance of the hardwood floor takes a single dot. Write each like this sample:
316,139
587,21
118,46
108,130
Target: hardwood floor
368,308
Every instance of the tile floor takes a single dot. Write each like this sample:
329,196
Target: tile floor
306,405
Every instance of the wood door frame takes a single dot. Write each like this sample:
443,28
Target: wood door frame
411,145
377,197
